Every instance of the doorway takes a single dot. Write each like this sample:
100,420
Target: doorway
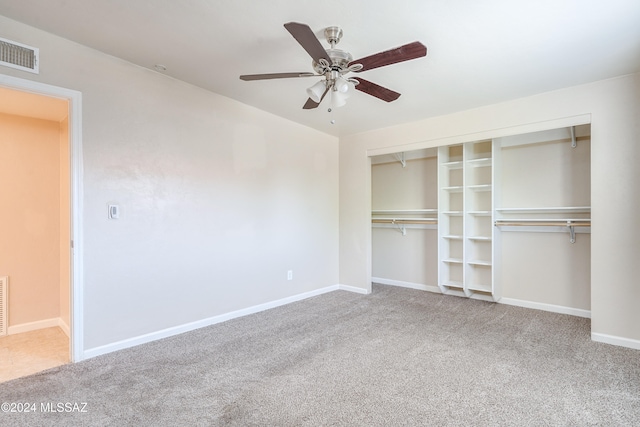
43,107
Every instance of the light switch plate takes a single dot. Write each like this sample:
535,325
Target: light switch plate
114,212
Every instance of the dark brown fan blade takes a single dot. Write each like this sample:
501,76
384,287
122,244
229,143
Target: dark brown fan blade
376,90
311,104
393,56
303,34
248,77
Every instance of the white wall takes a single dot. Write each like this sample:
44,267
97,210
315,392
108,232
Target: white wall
414,186
411,259
218,199
614,106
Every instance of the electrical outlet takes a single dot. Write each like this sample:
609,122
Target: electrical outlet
290,275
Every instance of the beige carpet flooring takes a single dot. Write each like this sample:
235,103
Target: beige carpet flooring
397,357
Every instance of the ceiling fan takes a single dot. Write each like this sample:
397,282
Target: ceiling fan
333,64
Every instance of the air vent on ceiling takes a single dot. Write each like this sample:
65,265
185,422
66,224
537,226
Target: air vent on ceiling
18,55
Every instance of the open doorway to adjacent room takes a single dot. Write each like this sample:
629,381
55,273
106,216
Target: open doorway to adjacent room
36,228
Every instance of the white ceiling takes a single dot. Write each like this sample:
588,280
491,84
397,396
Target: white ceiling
479,52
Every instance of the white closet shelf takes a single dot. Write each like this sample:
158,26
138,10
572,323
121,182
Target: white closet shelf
454,189
480,238
479,287
453,260
452,237
453,284
454,213
568,209
403,211
480,213
481,162
480,263
480,187
564,222
453,165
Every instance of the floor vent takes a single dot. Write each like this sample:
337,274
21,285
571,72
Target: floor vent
18,55
4,318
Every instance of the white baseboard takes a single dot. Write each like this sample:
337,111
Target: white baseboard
430,288
165,333
40,324
65,328
509,301
354,289
547,307
613,340
410,285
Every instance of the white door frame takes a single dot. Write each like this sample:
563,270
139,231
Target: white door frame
75,140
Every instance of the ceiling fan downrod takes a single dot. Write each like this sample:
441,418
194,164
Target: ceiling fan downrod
333,35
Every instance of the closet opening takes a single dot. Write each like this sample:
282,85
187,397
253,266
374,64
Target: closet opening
503,219
404,219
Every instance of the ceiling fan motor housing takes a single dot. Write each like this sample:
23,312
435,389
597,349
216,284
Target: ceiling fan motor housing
339,61
339,58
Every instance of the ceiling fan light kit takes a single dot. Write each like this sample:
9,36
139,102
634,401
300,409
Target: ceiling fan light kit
341,85
338,99
332,64
316,92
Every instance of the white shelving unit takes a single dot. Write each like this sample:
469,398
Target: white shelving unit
478,241
467,239
451,219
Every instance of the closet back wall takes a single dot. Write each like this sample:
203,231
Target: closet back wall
537,265
410,258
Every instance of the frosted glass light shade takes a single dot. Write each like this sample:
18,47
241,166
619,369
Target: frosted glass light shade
316,91
338,99
351,88
341,85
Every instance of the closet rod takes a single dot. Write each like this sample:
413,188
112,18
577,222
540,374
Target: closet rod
570,223
542,223
401,222
405,221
